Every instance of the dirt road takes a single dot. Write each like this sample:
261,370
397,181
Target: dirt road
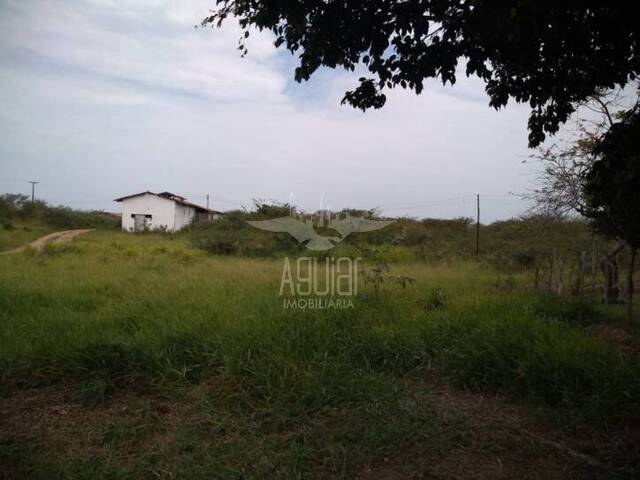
55,237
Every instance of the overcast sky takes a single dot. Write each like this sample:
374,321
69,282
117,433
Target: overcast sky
103,98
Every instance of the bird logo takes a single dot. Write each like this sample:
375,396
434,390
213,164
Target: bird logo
304,231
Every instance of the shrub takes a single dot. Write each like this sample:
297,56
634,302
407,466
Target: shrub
6,224
232,235
63,217
10,204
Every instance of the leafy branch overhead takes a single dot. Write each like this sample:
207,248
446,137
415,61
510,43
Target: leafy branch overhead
548,54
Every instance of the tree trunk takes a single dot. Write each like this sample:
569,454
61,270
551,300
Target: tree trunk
610,272
593,266
630,285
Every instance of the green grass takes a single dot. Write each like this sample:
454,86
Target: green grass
147,316
21,233
118,305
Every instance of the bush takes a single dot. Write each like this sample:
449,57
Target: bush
19,206
232,235
63,217
10,204
219,241
6,224
509,246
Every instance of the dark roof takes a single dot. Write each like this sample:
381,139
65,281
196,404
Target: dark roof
133,195
170,196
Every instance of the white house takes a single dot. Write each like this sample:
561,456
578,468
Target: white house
161,211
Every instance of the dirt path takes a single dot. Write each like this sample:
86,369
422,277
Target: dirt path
55,237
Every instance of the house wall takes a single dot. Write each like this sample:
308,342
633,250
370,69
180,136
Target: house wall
208,217
184,216
162,211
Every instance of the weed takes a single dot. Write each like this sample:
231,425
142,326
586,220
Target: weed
283,392
436,300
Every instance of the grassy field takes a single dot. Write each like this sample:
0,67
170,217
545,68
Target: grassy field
127,356
21,233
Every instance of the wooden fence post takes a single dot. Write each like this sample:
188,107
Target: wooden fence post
550,275
593,265
607,276
581,268
560,276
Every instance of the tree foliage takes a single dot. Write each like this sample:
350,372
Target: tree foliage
18,206
560,188
11,204
612,185
548,54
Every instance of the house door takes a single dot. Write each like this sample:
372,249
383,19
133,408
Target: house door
139,222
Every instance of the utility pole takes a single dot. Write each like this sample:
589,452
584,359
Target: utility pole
207,201
478,224
33,190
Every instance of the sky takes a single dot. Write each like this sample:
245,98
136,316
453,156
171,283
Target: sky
104,98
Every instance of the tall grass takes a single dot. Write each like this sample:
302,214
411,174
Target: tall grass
115,311
16,233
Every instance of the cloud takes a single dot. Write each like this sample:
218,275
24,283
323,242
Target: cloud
105,97
149,46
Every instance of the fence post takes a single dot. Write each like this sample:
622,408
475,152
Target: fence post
583,257
607,275
560,276
593,265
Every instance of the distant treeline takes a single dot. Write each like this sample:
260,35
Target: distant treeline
18,207
517,243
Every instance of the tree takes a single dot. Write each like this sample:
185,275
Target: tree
567,168
560,186
11,204
551,55
612,187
